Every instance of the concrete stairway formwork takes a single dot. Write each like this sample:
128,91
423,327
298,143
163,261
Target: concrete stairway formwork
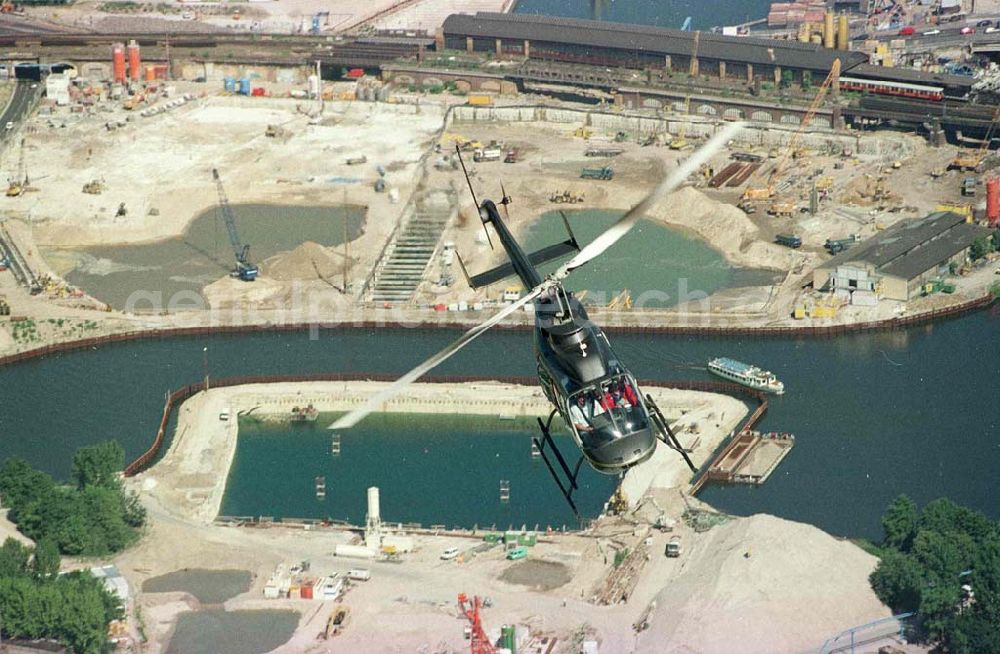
402,265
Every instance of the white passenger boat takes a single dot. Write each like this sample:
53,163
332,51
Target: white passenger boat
744,373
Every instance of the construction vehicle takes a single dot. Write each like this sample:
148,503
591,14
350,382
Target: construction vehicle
961,209
512,156
134,101
4,307
755,191
337,621
566,197
621,301
780,209
975,161
487,154
597,173
93,187
602,152
835,245
582,132
18,184
969,186
479,642
679,142
788,240
673,548
244,270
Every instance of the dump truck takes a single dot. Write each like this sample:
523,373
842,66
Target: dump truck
597,173
969,186
835,245
788,240
487,154
781,209
673,548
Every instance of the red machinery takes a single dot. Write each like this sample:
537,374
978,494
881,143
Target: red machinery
470,609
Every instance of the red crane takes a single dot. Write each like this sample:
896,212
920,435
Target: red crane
470,609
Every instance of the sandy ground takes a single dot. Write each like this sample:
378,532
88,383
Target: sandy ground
798,586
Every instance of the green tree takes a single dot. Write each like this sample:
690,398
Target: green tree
942,556
938,611
98,465
786,79
899,523
898,581
980,248
995,240
46,562
13,558
21,485
807,80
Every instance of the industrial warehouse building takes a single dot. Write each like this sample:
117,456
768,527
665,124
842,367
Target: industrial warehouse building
898,262
639,46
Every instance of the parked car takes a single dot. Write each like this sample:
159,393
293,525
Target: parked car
967,30
907,31
986,22
9,125
991,30
930,32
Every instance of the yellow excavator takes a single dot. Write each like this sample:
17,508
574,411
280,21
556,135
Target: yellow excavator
759,191
679,142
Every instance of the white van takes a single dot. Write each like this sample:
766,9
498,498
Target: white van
359,574
449,554
224,415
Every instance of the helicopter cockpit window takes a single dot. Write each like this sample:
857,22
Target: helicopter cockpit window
606,411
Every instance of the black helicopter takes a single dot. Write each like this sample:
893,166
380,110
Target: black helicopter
614,426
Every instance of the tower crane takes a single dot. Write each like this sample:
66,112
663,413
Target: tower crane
767,192
470,609
244,270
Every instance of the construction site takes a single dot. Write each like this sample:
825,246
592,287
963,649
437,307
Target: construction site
161,188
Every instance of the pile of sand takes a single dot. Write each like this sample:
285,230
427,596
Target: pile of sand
797,587
310,261
723,225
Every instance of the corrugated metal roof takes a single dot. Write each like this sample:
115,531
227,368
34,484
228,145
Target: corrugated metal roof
657,40
911,76
910,248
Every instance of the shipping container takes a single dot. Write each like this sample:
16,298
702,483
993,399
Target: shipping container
480,100
306,591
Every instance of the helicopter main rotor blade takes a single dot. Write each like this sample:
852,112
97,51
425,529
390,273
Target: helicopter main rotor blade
375,402
673,180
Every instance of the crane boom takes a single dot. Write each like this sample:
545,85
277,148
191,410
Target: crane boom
768,190
245,270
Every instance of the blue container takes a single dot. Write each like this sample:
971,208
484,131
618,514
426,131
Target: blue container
244,86
229,84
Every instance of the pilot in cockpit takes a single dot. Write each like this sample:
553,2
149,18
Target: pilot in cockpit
583,411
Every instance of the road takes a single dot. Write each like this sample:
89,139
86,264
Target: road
20,104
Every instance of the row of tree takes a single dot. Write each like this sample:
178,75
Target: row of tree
37,602
944,563
93,517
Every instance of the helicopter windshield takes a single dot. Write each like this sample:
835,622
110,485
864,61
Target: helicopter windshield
606,411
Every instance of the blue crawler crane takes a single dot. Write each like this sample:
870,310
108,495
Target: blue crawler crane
244,270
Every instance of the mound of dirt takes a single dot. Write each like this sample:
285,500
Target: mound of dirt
762,584
309,261
537,575
723,225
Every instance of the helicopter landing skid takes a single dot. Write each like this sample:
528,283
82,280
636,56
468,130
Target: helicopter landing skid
665,434
567,483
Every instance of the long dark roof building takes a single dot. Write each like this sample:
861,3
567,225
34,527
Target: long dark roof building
598,42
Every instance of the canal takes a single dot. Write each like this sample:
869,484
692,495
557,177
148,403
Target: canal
912,411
